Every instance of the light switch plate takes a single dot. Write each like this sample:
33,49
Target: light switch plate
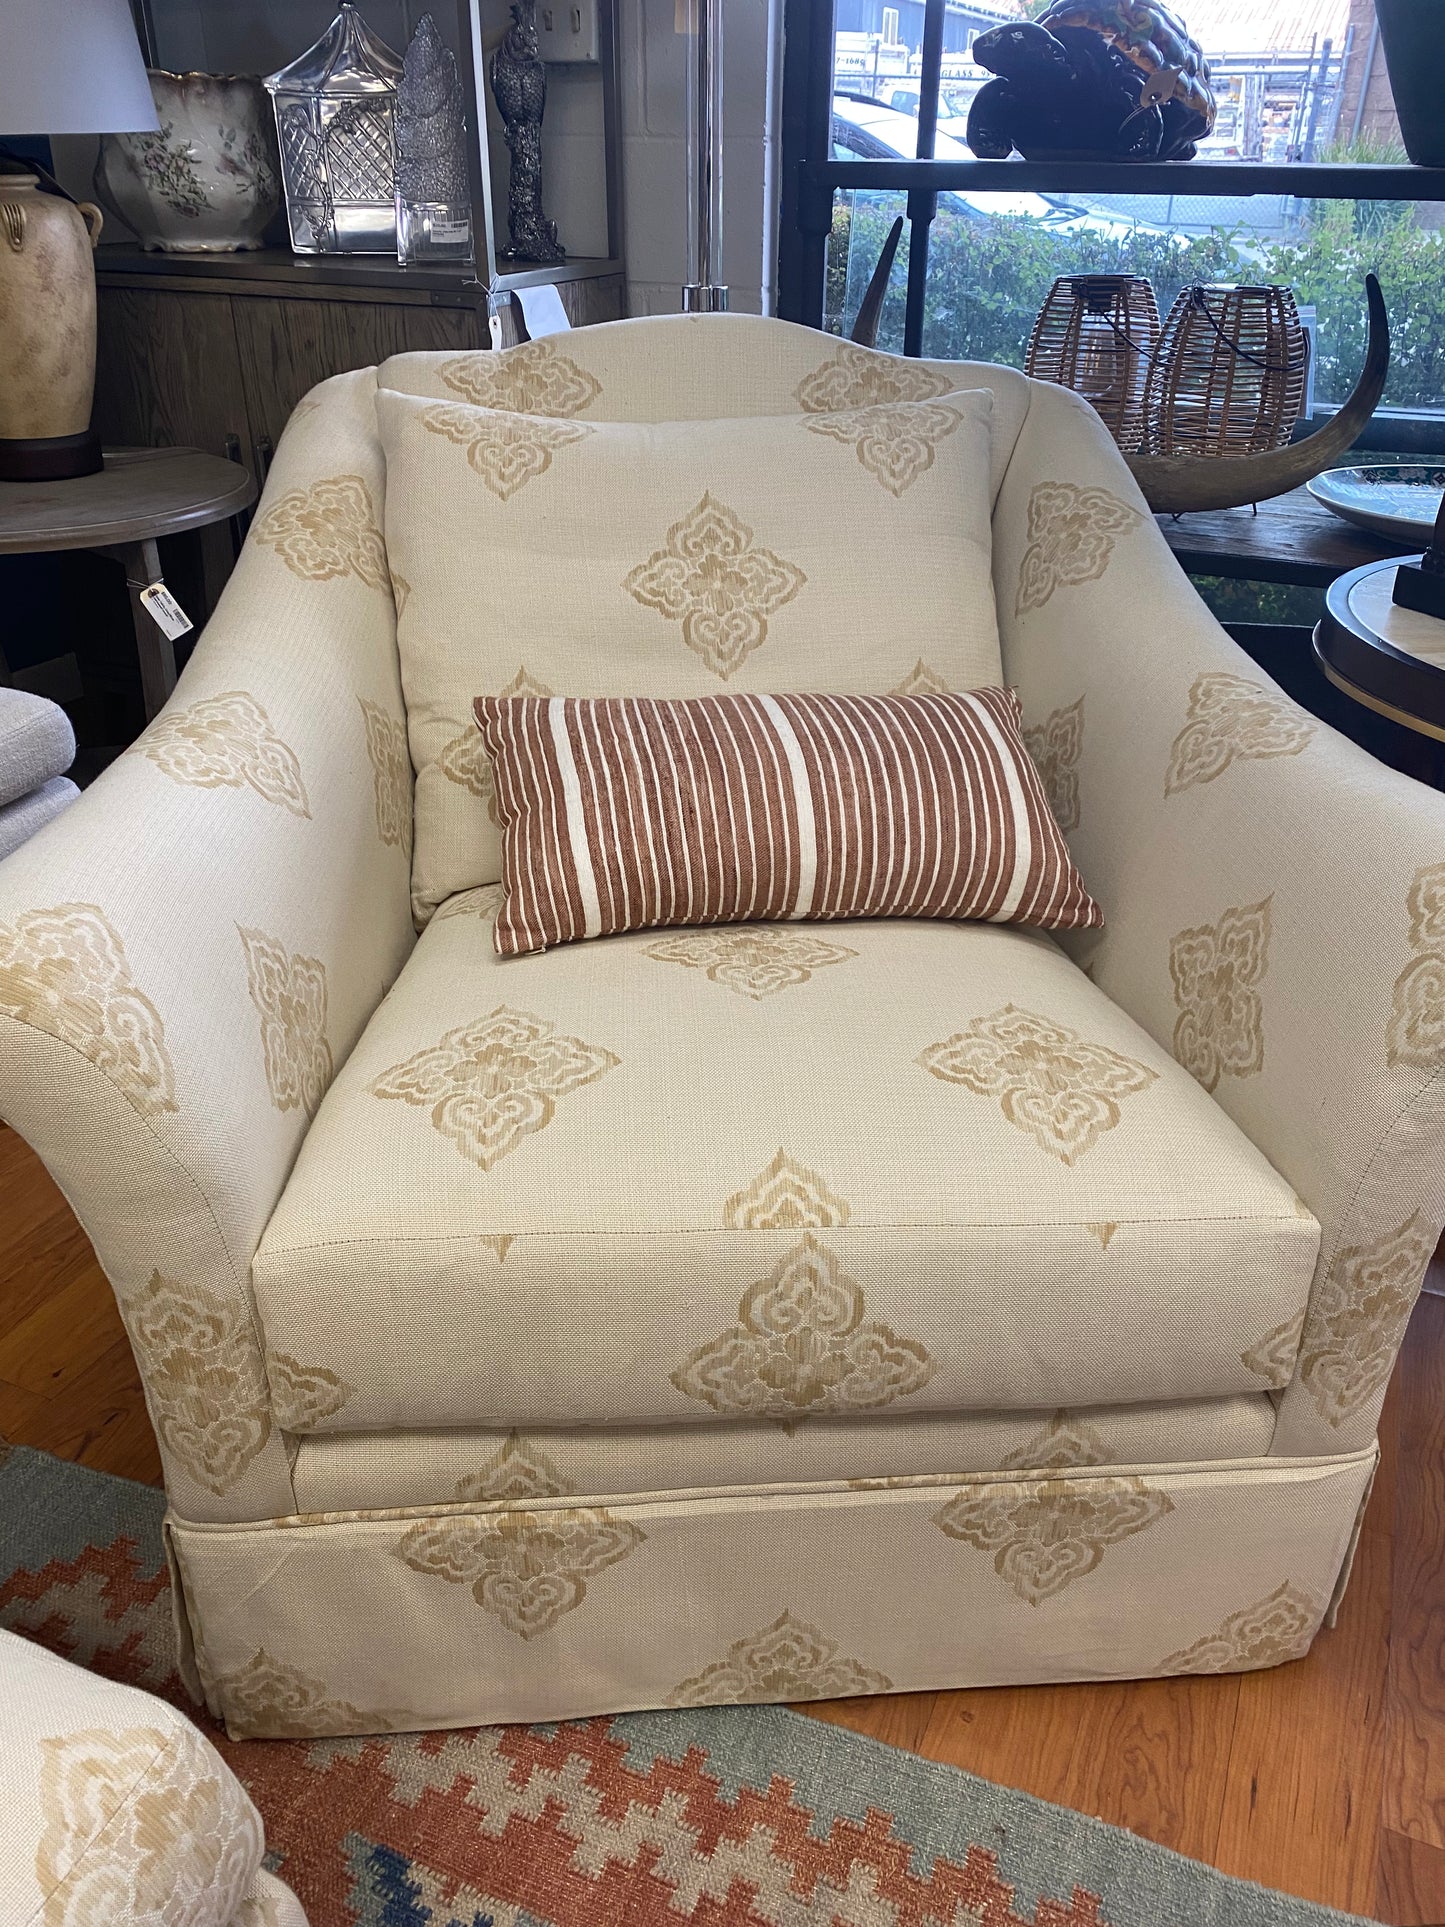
567,33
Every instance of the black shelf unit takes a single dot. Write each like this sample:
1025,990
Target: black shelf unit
812,175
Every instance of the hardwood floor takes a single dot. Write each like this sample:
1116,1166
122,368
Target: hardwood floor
1326,1778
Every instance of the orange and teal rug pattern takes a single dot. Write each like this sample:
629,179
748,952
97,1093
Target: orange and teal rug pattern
724,1817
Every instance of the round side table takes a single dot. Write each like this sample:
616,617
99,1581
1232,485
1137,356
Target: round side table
1389,659
140,495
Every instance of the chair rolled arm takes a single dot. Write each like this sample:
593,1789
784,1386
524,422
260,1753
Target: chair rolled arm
189,953
1274,898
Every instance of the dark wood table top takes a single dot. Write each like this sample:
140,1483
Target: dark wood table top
1291,539
1389,658
139,494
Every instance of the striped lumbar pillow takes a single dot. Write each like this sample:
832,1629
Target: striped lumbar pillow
623,813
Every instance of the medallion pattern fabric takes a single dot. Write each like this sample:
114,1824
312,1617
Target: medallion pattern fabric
854,378
753,960
626,814
491,1084
1048,1533
894,444
1271,1632
921,680
785,1196
526,1569
698,1810
289,993
66,972
788,1660
377,1245
517,1471
305,1395
183,1851
801,1346
721,584
1072,536
208,1393
1054,744
1051,1083
1357,1318
929,1193
227,742
1416,1034
507,451
1231,719
1066,1441
705,555
326,531
1275,1354
534,379
1216,970
465,761
391,774
268,1696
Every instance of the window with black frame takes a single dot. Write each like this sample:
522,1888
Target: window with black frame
1302,180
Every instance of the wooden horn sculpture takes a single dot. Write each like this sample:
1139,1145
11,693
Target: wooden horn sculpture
870,308
1174,484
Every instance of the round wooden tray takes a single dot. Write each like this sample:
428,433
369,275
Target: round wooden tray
1390,659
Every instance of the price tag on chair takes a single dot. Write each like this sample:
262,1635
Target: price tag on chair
167,614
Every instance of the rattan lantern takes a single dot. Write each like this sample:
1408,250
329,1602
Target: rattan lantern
1229,374
1096,334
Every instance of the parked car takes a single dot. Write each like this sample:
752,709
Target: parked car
955,97
869,129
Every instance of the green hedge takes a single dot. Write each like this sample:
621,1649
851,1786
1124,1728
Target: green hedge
988,278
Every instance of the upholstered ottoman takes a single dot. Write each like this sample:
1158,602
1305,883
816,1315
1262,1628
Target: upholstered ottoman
118,1812
37,747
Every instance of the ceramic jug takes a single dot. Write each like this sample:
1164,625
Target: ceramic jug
47,332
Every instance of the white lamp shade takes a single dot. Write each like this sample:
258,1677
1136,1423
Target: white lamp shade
72,68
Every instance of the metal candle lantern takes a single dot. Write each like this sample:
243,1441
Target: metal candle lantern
336,127
1229,374
1096,334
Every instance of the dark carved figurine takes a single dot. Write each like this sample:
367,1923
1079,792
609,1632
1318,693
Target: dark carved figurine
519,86
1092,79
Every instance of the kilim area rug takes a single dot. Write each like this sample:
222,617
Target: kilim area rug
724,1817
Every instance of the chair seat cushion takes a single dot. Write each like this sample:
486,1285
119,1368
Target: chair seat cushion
771,1173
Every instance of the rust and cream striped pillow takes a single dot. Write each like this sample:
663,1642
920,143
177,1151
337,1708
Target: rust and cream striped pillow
624,813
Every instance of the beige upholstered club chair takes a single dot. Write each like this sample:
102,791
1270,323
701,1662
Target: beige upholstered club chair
908,1305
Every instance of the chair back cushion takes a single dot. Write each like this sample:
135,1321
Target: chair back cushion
842,549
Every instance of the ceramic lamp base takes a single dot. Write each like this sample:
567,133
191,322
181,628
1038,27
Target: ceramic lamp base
50,458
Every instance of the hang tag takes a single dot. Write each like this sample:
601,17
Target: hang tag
164,611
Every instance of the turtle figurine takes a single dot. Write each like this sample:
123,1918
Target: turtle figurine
1092,79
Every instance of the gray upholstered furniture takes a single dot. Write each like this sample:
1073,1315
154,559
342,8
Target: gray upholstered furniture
37,747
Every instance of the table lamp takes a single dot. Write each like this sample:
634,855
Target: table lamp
69,69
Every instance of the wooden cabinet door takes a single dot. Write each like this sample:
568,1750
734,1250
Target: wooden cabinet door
287,346
168,372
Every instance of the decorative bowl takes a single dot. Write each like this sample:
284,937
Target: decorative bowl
1397,499
208,181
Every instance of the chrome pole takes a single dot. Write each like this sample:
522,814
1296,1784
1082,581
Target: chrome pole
704,292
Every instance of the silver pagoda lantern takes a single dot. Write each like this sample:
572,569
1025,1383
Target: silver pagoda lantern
336,128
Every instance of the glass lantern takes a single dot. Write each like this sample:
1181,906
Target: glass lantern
336,127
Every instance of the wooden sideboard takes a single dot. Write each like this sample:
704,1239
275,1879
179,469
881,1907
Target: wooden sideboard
214,351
